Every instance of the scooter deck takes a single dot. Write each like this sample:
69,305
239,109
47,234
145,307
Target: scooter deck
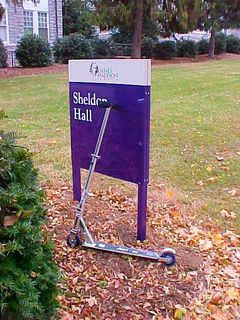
122,250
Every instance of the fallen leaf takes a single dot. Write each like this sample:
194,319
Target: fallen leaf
219,316
218,239
66,316
146,305
216,298
237,255
212,179
228,214
205,244
225,168
91,301
220,158
75,280
233,192
33,274
9,221
233,293
169,193
179,313
127,308
233,215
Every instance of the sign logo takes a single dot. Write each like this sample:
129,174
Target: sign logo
93,69
102,73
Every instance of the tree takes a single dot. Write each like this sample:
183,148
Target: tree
179,16
78,18
119,14
1,11
138,24
15,3
217,15
144,17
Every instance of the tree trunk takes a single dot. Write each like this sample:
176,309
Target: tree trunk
138,22
212,44
2,10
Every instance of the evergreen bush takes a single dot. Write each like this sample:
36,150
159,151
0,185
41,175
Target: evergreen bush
203,46
74,46
165,50
103,48
187,48
121,35
148,45
220,43
33,51
233,44
28,276
3,55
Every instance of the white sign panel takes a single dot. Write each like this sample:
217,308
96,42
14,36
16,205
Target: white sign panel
115,71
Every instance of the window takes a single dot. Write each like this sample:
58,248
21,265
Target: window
28,22
42,25
3,28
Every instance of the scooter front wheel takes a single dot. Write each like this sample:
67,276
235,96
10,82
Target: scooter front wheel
170,257
73,240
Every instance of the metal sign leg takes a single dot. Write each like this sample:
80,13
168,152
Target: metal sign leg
142,211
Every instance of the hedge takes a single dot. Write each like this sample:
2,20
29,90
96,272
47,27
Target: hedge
220,43
3,55
203,46
32,51
165,50
28,276
74,46
233,44
187,48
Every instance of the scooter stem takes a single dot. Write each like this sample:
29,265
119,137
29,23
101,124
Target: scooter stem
95,156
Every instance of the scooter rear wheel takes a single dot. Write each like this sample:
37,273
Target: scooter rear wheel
73,240
170,255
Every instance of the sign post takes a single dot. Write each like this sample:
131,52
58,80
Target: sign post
124,152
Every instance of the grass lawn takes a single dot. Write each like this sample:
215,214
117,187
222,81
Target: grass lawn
195,130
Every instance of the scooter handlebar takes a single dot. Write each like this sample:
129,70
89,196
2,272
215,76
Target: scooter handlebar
106,105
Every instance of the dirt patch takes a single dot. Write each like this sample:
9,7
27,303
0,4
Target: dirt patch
200,58
19,72
58,68
98,285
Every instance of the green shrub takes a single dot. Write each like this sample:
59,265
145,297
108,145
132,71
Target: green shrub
32,51
220,43
3,55
165,50
148,45
233,44
187,48
74,46
58,48
121,35
28,276
203,46
103,48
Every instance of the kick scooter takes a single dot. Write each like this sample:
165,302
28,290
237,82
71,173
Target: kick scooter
166,256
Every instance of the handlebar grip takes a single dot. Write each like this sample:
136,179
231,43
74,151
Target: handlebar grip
106,105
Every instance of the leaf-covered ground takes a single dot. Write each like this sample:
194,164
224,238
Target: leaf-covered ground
204,284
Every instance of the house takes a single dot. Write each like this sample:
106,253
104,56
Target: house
41,17
197,35
235,32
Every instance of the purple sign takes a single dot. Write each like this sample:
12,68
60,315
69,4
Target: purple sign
124,153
